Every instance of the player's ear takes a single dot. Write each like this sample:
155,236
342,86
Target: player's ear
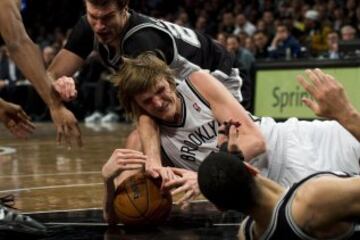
251,169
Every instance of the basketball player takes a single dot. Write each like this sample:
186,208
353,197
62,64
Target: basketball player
27,57
324,205
114,31
15,119
188,115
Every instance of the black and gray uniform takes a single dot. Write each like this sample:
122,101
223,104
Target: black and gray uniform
183,49
282,224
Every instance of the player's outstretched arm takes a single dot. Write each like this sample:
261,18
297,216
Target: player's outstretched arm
327,205
227,109
330,100
27,57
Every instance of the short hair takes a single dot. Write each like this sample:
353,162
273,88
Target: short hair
226,182
121,4
347,28
138,75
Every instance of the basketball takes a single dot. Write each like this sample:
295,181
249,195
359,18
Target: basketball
139,201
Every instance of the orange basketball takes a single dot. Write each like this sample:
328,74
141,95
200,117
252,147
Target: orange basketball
139,201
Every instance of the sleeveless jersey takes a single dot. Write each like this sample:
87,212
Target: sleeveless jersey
184,49
188,143
282,225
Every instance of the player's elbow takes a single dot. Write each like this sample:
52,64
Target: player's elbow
254,148
259,147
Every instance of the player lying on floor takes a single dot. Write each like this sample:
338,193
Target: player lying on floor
187,117
323,205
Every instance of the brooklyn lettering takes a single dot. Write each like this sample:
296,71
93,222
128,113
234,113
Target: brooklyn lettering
203,134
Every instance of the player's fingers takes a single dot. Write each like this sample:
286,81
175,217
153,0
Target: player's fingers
320,76
186,198
178,171
67,131
29,129
180,189
78,136
311,104
22,115
306,85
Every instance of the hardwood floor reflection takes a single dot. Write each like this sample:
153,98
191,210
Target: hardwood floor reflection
47,177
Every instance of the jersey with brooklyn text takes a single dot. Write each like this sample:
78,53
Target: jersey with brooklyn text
187,143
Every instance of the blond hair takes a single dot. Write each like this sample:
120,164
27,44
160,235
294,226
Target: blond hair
138,75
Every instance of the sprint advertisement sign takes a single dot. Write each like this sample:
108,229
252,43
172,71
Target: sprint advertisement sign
278,94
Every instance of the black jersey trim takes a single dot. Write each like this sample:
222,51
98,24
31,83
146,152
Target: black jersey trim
151,25
183,115
290,220
274,220
196,92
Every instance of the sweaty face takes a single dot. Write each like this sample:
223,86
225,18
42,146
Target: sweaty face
107,22
160,102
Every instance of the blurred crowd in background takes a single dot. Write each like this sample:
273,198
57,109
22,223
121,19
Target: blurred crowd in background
253,31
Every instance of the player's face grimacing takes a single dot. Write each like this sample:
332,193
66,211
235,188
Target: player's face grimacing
160,102
107,22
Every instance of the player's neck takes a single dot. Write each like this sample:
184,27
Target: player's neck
268,195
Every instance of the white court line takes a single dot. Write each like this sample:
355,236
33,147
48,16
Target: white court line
50,187
51,174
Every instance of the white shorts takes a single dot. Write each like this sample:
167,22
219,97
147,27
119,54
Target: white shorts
296,149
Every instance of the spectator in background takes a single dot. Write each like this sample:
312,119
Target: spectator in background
268,18
338,19
98,93
261,26
183,19
227,23
249,45
348,33
245,62
201,24
243,25
284,45
316,33
261,41
243,55
333,45
221,38
9,75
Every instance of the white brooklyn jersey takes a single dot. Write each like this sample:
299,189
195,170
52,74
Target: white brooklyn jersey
187,143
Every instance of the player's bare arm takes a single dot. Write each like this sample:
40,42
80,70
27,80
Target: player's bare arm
311,205
225,108
121,160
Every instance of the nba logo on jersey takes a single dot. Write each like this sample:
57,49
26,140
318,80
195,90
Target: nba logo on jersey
196,107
